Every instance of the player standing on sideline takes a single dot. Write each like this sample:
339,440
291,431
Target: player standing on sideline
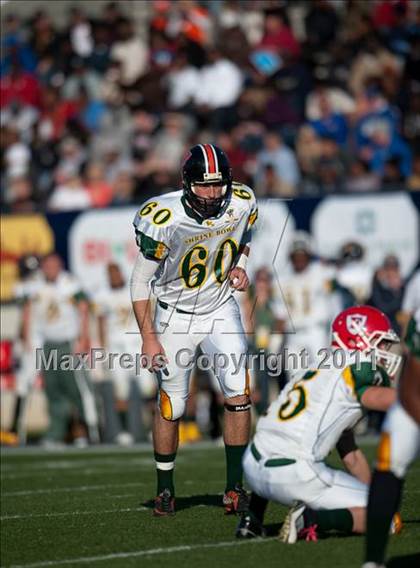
315,412
121,390
194,246
58,310
398,447
309,299
29,341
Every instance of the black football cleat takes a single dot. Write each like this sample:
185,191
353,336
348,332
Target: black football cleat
164,504
249,527
236,501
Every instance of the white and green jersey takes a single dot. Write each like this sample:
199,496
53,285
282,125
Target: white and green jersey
54,308
121,328
195,255
307,296
308,418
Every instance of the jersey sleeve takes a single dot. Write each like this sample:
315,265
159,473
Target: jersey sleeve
21,293
246,194
151,224
362,375
253,215
72,288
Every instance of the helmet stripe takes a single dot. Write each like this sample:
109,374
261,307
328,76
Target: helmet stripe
216,161
206,161
210,156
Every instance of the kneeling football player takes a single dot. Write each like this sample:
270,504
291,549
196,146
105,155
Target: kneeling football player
313,414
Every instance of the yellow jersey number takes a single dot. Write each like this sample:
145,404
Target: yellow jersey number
241,192
296,398
193,267
160,217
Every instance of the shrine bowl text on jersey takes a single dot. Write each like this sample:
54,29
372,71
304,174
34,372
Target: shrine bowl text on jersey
197,254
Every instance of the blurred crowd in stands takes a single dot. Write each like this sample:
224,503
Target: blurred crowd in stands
306,98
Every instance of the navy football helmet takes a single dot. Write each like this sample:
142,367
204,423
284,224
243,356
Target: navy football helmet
206,164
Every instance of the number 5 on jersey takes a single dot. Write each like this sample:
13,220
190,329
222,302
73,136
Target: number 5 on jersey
296,399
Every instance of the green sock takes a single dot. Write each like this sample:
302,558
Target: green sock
335,519
234,465
165,464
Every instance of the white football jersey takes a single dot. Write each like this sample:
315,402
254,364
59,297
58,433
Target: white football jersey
357,277
24,289
316,406
307,295
195,255
54,308
121,327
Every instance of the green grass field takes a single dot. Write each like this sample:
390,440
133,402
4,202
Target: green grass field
76,508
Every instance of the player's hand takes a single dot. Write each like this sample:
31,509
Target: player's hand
153,356
238,279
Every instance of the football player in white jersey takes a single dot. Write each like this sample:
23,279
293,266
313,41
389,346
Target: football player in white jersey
57,312
194,245
118,334
314,413
308,297
353,272
26,374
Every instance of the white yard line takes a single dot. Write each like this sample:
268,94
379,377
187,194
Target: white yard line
139,553
60,464
77,513
70,489
72,513
122,496
84,488
99,449
50,473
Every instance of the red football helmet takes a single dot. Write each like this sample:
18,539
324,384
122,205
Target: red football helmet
363,328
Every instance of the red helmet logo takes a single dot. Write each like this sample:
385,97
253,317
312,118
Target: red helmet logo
354,322
366,329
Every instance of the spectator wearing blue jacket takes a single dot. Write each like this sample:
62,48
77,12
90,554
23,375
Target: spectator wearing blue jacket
331,124
280,157
14,48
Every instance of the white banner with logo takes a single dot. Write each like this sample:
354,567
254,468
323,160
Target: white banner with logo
382,224
99,237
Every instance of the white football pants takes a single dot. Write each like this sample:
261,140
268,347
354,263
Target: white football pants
313,483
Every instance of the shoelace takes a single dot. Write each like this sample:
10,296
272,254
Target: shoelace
309,534
165,500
